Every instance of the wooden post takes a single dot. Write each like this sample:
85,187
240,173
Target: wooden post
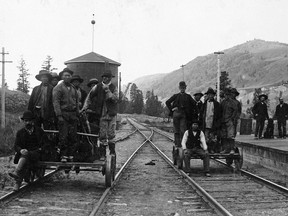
3,88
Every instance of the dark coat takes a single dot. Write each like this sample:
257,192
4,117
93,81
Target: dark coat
216,116
83,97
281,112
199,106
260,110
48,111
188,105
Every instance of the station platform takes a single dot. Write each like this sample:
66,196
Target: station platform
270,153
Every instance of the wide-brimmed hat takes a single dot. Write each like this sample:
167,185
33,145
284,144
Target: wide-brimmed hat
76,77
210,91
55,75
107,73
199,93
92,81
234,91
182,84
42,73
65,70
263,95
27,115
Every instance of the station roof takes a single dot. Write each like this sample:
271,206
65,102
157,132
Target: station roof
92,57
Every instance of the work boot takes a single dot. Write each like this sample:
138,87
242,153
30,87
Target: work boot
17,186
18,173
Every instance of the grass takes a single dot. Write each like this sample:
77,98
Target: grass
8,134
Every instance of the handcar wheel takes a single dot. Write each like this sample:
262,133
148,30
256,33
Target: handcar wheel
229,160
113,169
108,171
180,158
174,155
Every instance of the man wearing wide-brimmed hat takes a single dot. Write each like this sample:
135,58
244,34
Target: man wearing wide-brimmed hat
210,117
55,78
40,102
229,115
76,80
92,82
27,145
199,104
234,94
260,112
183,109
102,103
66,106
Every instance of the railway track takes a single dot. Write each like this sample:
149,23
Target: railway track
151,185
240,193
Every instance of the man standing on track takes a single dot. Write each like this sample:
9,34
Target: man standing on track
234,94
182,107
260,112
210,118
65,101
281,115
102,100
40,102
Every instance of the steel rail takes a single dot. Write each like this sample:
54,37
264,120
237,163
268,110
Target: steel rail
98,205
205,196
13,194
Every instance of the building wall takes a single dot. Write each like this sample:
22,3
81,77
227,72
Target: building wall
93,70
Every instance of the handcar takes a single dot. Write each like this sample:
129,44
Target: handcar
237,157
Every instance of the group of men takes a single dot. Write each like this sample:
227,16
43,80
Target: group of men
203,128
60,105
260,112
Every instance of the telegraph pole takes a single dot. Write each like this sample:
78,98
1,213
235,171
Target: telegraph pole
218,74
182,66
93,23
3,88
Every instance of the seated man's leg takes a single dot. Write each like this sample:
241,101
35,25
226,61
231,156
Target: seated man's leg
206,160
187,157
103,137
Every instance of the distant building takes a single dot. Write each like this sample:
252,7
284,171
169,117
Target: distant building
92,65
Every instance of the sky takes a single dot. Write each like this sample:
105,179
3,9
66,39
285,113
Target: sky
145,36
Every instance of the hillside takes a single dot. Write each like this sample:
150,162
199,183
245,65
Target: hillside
253,64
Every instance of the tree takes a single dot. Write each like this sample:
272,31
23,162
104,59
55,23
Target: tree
47,64
22,82
224,80
256,94
153,106
137,103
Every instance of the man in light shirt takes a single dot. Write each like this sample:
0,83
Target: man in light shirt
194,143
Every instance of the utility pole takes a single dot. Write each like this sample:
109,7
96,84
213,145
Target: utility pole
120,86
3,88
218,74
182,66
93,23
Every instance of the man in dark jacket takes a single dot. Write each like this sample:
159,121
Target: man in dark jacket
234,94
229,115
102,102
28,143
281,115
260,113
54,79
65,102
183,107
210,117
40,102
